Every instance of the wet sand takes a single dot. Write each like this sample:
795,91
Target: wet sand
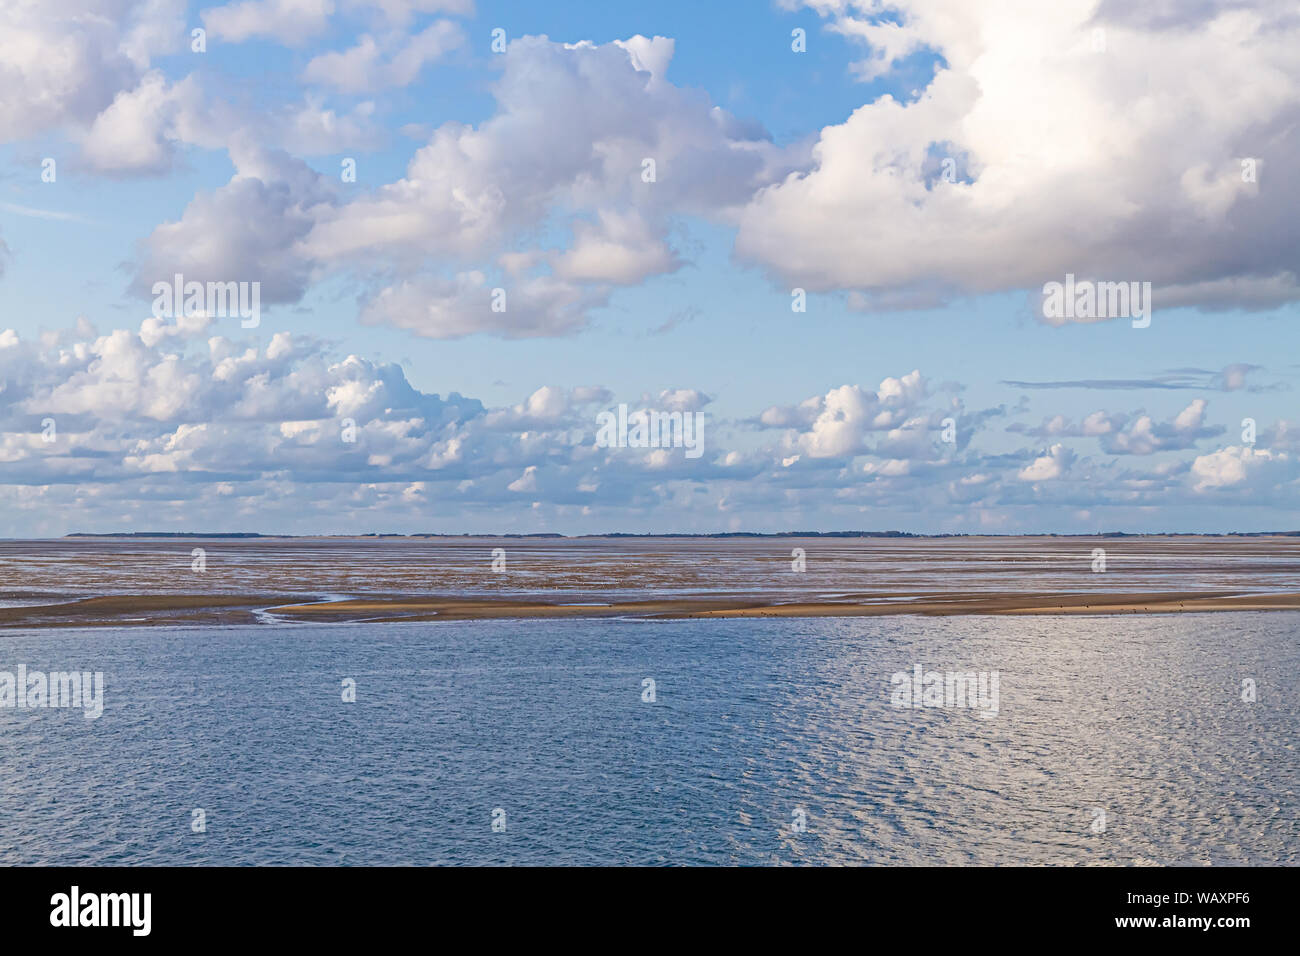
152,582
426,610
201,609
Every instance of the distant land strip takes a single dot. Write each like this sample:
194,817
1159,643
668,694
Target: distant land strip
689,534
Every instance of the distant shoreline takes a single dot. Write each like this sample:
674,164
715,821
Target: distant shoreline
217,535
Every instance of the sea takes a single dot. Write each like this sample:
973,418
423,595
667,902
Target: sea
1115,740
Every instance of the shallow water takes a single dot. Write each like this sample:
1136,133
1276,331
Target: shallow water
1140,717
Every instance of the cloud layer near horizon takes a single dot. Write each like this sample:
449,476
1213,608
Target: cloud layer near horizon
178,423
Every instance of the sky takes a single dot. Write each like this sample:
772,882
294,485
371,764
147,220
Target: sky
827,228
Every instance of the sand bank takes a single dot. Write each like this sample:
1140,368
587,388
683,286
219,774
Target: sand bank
207,609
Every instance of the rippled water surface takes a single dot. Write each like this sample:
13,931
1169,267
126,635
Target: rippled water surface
1141,718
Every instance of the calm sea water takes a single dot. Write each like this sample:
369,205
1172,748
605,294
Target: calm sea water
1140,717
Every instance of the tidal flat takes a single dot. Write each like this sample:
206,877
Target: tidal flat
141,581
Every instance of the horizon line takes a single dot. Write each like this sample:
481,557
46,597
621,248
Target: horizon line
672,534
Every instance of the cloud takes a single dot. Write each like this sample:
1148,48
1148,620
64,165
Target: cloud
1145,436
836,425
86,68
531,220
888,41
394,60
1058,426
401,11
1232,466
184,410
184,402
471,188
548,406
679,400
432,248
1228,379
1105,383
619,249
525,482
1283,435
1234,376
1048,467
471,193
1134,433
62,64
178,423
139,130
163,399
291,22
466,304
271,191
1124,163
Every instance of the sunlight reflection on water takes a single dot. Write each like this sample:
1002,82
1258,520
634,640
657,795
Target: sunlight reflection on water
1140,717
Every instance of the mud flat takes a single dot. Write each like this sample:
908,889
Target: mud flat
146,609
197,609
692,607
86,582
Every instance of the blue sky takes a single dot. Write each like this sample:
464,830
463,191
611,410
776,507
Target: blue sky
521,169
